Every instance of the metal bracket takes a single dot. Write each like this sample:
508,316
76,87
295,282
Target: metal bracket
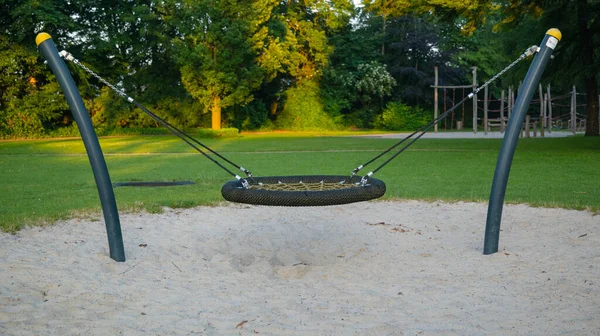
66,55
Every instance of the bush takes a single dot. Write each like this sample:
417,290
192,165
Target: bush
361,118
110,111
303,110
399,117
27,117
253,116
337,91
222,133
65,132
21,125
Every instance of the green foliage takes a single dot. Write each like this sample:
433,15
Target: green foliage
390,8
416,44
470,13
306,42
26,117
298,48
109,110
399,117
214,49
338,90
252,116
304,110
374,81
229,132
21,20
361,118
313,64
492,50
181,113
29,102
20,125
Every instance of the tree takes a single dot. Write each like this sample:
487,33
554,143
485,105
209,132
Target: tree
388,9
129,44
29,97
216,47
353,45
417,44
588,16
306,27
306,50
374,80
575,57
29,101
578,20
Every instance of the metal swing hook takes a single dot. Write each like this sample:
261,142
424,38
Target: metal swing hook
365,179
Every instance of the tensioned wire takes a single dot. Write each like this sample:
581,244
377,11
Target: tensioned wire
177,132
318,186
188,139
424,129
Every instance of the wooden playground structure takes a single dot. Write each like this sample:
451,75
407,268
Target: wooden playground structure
561,112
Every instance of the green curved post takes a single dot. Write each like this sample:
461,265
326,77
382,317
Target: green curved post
509,143
92,146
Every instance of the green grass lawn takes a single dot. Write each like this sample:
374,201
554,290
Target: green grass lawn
45,180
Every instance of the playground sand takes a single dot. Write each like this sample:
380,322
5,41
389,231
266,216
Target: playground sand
371,268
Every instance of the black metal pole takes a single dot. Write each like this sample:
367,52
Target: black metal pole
509,143
92,146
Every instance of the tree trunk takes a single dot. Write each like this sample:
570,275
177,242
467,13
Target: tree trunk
383,39
274,107
587,60
592,128
215,111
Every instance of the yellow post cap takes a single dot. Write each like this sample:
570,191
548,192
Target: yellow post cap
41,37
554,32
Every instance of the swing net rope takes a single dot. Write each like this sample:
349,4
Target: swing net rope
177,132
323,186
426,128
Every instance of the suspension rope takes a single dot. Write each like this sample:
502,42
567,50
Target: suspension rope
177,132
424,129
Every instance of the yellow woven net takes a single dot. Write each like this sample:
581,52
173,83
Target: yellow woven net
301,186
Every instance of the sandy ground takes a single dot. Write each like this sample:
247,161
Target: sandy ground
371,268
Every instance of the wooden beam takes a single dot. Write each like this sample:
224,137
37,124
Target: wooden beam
549,109
474,100
485,110
574,110
542,114
453,86
502,121
435,99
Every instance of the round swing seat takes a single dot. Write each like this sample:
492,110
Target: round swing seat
296,191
